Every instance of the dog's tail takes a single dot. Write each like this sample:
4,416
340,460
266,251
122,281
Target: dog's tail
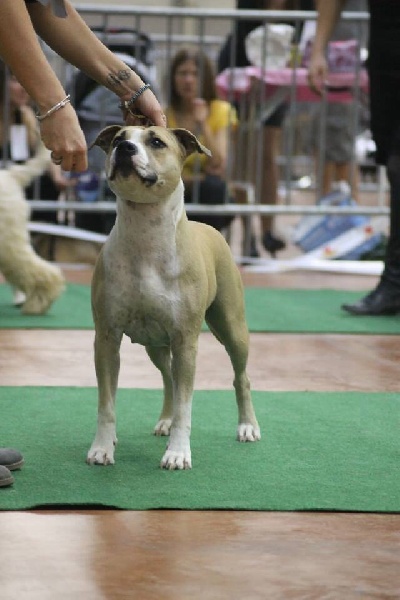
34,167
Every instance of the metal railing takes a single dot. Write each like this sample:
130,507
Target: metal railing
169,29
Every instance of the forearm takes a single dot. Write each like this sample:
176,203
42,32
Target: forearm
20,49
77,44
217,144
328,16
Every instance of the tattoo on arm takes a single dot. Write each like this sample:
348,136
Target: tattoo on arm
114,79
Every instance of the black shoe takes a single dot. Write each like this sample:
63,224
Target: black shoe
253,248
383,300
271,243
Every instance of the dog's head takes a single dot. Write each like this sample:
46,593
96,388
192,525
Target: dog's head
150,158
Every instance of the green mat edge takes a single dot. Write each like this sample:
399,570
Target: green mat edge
230,507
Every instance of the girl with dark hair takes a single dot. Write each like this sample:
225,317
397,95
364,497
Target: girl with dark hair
194,106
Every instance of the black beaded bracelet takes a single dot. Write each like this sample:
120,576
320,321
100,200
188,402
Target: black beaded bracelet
126,104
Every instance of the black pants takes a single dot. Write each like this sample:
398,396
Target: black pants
212,190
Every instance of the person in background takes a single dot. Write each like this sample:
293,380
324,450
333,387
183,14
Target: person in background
61,27
339,133
384,77
67,34
194,106
19,141
272,126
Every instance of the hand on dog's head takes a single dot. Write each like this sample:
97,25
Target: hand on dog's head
186,140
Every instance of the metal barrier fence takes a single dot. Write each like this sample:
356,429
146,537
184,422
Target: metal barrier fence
168,29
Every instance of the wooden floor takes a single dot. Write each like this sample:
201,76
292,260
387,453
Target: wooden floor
63,554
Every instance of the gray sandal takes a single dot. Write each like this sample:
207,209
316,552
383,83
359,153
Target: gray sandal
10,458
5,477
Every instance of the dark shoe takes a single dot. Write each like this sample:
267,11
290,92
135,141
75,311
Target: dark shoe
271,243
5,477
10,458
253,248
383,300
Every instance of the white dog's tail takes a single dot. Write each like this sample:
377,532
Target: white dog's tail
34,167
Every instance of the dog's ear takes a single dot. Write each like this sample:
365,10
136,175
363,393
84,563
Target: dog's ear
105,137
189,142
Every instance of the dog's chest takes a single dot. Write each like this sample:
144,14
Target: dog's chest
149,305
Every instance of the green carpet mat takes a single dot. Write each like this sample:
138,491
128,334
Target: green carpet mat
319,451
273,310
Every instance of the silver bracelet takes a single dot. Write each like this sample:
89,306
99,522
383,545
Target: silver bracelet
54,108
126,104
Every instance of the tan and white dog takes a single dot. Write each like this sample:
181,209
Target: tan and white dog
157,278
38,282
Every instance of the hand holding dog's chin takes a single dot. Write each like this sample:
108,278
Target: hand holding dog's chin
62,134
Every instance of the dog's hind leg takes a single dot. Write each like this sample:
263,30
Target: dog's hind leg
161,358
231,330
107,362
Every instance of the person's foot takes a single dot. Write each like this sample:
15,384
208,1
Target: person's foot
383,300
5,477
272,243
11,459
253,248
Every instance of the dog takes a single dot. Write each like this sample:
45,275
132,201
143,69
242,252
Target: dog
157,278
36,282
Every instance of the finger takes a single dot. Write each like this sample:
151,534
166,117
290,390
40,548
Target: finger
56,158
75,162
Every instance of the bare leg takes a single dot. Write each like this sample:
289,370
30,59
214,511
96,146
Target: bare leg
270,174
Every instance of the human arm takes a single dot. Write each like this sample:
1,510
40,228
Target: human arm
215,140
72,39
328,15
75,42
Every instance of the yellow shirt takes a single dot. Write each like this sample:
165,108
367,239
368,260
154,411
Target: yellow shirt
221,116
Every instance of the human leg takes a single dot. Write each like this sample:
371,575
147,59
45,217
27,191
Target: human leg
385,298
272,137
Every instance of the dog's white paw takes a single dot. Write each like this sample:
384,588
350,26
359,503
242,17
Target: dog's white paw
100,455
246,432
163,427
173,460
19,298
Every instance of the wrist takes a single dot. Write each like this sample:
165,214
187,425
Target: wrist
53,109
127,88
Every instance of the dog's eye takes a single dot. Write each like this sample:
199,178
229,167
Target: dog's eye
117,140
155,142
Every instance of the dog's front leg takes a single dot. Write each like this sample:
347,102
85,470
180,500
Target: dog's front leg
178,455
107,360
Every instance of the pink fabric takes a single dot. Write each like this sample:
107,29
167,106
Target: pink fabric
241,79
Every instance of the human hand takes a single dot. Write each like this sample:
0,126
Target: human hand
146,111
59,179
317,72
200,110
214,168
62,134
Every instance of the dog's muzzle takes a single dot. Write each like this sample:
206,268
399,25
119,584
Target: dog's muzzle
125,163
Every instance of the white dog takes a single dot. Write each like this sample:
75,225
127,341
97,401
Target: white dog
157,278
39,281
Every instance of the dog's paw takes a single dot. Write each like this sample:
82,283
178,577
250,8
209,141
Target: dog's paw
246,432
19,298
98,455
176,460
163,427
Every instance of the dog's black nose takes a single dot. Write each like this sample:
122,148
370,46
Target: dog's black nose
127,148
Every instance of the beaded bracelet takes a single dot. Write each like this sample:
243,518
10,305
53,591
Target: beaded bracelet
54,108
126,104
